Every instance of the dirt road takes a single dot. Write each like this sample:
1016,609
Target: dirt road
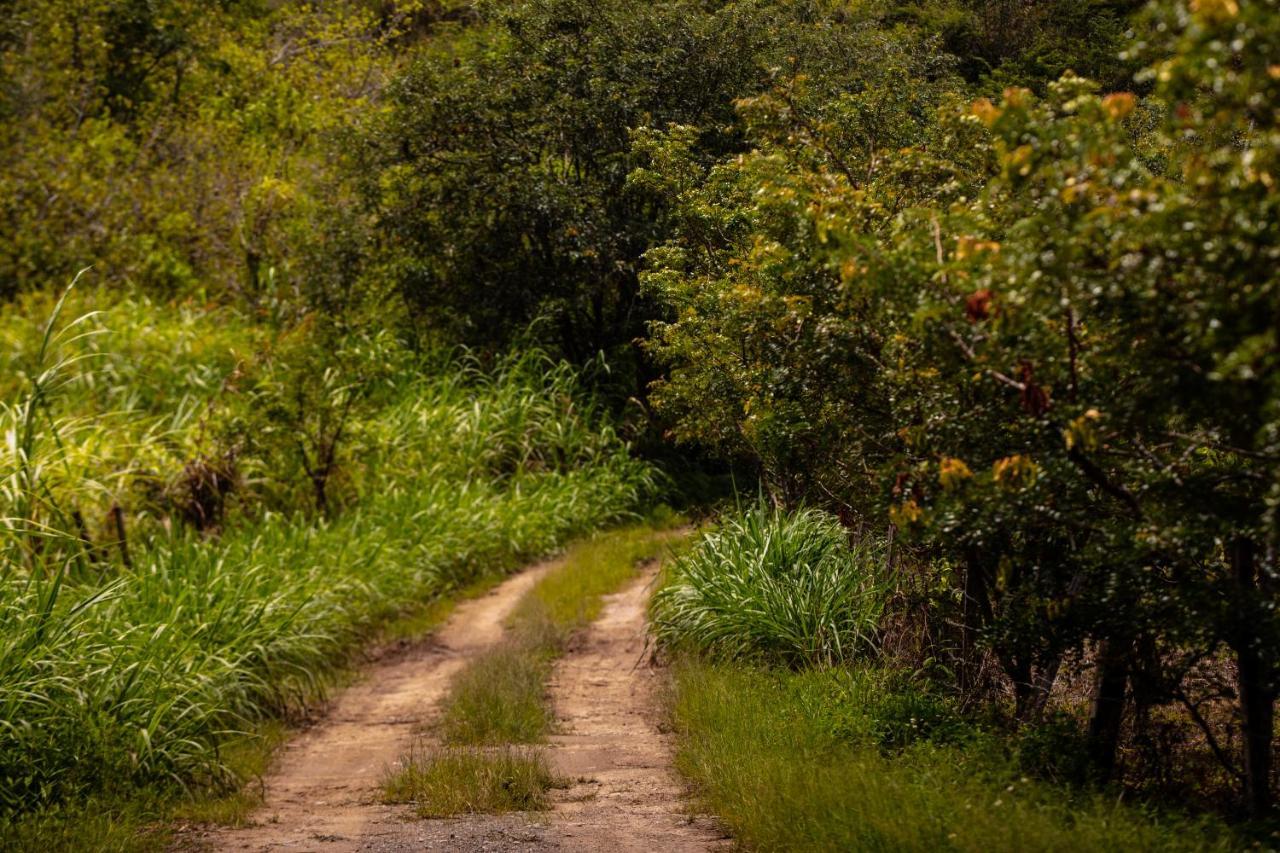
322,793
623,795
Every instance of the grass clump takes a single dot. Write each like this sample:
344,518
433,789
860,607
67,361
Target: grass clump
500,697
453,781
819,760
776,586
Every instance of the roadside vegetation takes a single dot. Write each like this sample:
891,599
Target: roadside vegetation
774,586
860,758
799,741
133,656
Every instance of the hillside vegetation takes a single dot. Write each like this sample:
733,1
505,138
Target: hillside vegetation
978,297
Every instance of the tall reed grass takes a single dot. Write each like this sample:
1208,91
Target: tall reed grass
119,674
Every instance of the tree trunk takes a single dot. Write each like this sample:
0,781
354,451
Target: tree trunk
974,615
1044,681
1019,672
1257,694
1108,706
122,540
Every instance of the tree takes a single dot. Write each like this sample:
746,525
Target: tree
1037,338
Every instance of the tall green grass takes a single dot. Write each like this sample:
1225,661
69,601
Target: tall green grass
797,762
118,676
775,586
137,680
125,393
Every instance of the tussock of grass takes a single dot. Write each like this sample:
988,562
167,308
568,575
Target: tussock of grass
500,697
453,781
798,762
774,586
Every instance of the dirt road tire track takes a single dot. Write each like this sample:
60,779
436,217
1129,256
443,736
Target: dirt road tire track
623,795
605,695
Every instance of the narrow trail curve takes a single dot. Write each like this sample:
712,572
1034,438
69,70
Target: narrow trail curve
624,795
322,794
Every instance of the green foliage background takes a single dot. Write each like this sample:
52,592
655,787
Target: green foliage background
992,283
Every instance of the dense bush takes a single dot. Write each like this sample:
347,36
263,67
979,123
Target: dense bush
501,168
502,164
1034,336
1029,42
185,147
194,147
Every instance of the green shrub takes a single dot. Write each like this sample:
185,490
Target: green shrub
913,713
877,707
773,585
